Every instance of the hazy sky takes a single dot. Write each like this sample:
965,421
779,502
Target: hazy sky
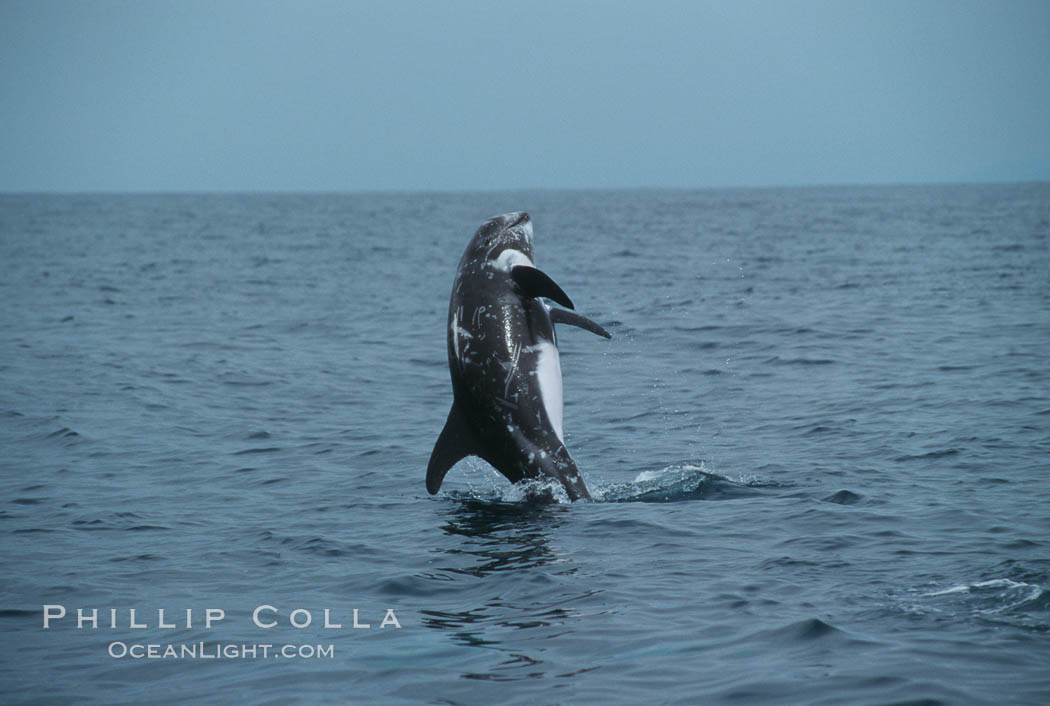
308,95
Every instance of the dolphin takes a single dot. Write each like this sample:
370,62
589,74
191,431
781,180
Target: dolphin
503,359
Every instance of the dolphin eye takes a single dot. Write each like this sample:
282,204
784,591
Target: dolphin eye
491,231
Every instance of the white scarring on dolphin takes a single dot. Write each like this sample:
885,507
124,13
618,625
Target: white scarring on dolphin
503,358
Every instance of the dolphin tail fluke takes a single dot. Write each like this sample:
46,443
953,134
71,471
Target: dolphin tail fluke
571,318
536,283
561,467
557,465
455,442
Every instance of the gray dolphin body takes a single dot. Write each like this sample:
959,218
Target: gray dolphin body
503,358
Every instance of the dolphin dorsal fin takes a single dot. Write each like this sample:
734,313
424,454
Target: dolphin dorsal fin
456,441
571,318
536,283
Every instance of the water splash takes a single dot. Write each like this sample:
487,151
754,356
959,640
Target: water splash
678,482
1003,601
991,597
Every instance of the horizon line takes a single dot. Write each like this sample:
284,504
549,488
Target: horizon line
499,190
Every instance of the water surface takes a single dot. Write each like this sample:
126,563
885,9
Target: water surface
819,442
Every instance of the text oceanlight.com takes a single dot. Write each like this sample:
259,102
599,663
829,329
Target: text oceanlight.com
203,650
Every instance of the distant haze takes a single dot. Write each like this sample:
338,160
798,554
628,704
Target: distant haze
246,95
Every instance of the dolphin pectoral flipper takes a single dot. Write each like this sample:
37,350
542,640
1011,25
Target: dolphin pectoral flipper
560,316
536,283
456,441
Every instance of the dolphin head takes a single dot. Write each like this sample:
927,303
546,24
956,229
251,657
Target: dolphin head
509,231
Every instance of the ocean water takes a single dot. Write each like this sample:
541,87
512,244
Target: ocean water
819,443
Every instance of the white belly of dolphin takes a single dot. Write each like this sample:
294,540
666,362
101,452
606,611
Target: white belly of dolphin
510,258
548,374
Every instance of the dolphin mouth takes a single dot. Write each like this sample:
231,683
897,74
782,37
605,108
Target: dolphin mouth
522,219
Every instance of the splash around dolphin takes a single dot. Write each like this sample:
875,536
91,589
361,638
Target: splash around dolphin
503,359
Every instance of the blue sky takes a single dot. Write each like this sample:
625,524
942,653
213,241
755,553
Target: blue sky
249,95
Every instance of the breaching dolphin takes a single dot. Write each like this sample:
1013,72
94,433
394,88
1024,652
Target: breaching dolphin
503,358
